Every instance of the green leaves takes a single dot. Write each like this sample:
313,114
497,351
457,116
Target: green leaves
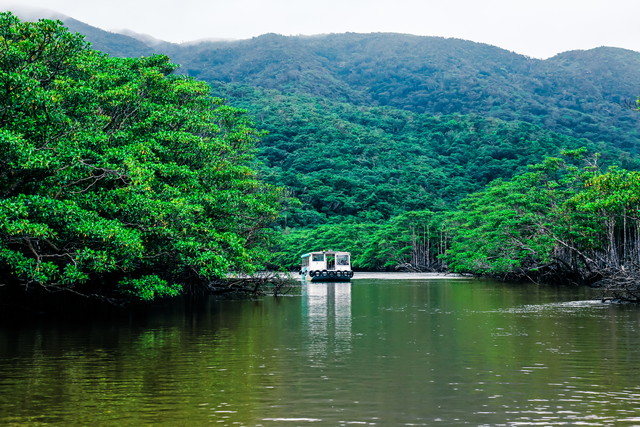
117,171
148,288
346,162
559,218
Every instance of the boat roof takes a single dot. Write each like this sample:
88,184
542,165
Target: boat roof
326,252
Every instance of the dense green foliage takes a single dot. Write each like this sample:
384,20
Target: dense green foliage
118,173
557,221
372,163
358,171
580,93
364,128
412,241
584,94
378,138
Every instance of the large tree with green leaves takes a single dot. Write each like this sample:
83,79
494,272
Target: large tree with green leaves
558,222
117,175
523,226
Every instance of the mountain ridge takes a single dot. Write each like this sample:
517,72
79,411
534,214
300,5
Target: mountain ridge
580,93
365,128
31,14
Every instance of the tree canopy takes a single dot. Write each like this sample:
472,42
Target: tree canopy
117,175
565,220
121,176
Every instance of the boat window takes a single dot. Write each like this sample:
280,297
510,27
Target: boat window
342,259
318,257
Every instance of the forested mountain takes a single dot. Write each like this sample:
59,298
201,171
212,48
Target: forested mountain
108,42
585,94
580,93
376,136
373,163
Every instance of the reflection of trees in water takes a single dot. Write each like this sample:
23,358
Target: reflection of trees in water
327,311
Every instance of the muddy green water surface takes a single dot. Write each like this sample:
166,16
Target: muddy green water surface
377,351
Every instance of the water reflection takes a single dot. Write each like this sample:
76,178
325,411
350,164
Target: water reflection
326,310
371,352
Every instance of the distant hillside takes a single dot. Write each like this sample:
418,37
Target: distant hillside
585,94
112,43
373,163
581,93
368,126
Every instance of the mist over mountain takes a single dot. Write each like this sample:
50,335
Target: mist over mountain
113,43
585,94
580,93
373,125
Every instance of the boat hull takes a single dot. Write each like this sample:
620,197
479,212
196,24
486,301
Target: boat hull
328,276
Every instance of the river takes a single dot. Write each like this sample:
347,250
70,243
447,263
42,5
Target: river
382,350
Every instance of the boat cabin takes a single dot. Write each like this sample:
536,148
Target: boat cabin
326,266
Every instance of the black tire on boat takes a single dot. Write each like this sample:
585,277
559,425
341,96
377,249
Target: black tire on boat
332,274
324,273
312,273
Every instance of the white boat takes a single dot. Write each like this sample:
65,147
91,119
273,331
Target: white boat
326,266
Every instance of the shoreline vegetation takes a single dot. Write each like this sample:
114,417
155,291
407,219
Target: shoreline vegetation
120,179
125,182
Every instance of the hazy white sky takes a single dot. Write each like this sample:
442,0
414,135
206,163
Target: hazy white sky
538,28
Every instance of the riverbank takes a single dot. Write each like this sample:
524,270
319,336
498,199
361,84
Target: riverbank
382,275
385,275
405,275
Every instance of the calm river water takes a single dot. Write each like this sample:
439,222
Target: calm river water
377,351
